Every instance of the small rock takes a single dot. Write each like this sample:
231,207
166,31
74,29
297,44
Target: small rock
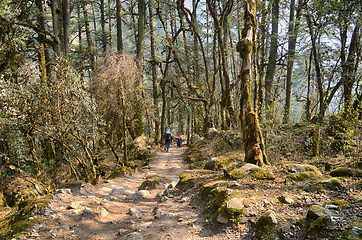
334,207
143,226
222,219
139,195
74,205
356,231
65,191
66,227
88,213
180,219
132,236
134,211
47,212
103,212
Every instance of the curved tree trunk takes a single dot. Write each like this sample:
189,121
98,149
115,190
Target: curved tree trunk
252,136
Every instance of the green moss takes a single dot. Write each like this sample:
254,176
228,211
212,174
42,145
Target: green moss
187,178
209,186
340,203
262,174
346,172
120,171
321,185
265,228
300,176
254,173
295,167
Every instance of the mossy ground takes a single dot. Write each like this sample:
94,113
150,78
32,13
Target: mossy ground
291,171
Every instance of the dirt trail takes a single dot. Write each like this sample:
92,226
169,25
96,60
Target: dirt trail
117,210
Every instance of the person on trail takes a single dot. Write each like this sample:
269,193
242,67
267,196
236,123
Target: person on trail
179,141
167,135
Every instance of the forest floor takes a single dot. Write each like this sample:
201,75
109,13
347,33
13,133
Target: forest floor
117,210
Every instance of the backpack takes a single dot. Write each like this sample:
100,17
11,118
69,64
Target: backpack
168,136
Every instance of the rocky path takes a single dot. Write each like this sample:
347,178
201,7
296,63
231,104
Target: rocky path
117,210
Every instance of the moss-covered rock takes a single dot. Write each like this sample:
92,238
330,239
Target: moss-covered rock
253,171
188,178
18,219
321,185
300,176
266,227
300,172
288,199
316,211
154,182
120,171
346,172
227,202
339,203
19,188
212,133
220,162
296,167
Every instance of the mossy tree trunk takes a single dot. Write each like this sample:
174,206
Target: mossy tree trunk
119,26
252,135
88,34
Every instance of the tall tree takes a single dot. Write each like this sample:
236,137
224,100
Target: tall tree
226,100
154,73
273,55
66,23
90,51
292,42
57,28
252,136
119,26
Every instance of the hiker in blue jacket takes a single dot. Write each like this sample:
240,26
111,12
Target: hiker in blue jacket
167,135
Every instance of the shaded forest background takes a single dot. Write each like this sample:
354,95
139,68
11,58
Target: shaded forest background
79,78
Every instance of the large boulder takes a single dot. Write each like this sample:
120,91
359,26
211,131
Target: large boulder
19,188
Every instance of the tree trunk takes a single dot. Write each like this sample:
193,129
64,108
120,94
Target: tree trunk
227,108
119,26
292,42
103,24
41,41
154,74
349,70
262,61
252,136
322,105
57,29
66,23
308,114
273,55
139,126
89,38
